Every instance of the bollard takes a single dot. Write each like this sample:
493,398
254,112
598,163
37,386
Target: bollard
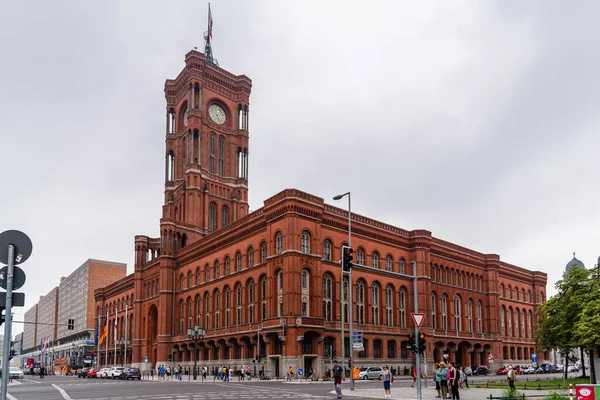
571,391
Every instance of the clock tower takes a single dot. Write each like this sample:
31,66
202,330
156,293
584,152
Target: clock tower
206,157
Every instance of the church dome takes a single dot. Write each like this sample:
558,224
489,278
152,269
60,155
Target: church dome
574,263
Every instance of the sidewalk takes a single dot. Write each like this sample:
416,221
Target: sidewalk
405,393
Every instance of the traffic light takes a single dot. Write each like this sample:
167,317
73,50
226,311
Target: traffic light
411,343
13,352
71,324
422,343
2,315
284,330
347,258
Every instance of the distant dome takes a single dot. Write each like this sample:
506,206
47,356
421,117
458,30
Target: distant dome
574,263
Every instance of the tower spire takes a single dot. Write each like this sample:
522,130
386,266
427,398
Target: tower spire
207,36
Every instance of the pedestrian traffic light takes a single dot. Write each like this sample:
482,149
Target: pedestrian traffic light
347,258
422,343
411,343
71,324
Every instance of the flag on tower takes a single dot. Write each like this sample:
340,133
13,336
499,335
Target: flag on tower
210,22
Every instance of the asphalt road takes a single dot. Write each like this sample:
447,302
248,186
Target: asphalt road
72,388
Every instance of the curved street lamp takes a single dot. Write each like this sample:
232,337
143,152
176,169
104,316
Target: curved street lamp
196,334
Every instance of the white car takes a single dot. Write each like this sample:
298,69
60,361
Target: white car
114,372
15,373
102,373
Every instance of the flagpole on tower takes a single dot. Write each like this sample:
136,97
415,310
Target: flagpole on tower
208,55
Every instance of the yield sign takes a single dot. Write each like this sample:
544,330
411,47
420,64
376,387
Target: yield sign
418,318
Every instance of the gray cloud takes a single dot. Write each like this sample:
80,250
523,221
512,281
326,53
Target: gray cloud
476,120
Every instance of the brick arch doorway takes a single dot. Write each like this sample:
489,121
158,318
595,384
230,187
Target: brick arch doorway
152,329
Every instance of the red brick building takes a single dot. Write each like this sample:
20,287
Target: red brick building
232,272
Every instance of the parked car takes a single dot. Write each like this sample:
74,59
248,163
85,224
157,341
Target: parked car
549,369
370,373
529,370
481,370
114,372
573,368
102,373
92,373
468,371
501,371
131,373
83,373
559,368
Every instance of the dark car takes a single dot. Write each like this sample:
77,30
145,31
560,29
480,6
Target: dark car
83,373
131,373
481,370
549,369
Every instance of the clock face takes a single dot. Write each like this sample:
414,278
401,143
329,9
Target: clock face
217,114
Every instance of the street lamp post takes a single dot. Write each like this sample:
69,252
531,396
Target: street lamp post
350,289
196,333
123,344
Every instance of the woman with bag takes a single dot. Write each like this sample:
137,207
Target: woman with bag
387,378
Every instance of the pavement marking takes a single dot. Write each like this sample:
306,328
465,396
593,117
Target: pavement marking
32,381
62,392
9,397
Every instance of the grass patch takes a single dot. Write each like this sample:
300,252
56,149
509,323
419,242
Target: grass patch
532,384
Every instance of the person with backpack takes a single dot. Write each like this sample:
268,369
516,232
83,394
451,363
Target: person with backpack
444,372
512,376
454,378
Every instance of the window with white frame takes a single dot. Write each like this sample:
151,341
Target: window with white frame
388,263
375,303
457,313
470,315
402,266
433,311
327,297
227,307
509,317
217,309
389,306
279,243
227,265
360,302
305,243
238,299
263,298
502,321
360,256
479,317
238,261
251,301
263,253
217,270
444,312
327,250
402,308
375,260
250,257
207,312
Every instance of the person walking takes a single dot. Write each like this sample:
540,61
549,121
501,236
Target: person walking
437,379
42,372
466,377
511,376
444,380
414,376
461,374
454,378
337,379
387,378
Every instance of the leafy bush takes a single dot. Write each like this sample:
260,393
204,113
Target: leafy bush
512,394
556,396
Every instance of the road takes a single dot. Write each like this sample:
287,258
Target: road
72,388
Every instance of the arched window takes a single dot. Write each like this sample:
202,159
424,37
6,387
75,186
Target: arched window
211,167
345,298
278,243
305,245
207,273
198,278
479,317
238,303
212,217
470,315
227,266
263,252
327,297
522,294
238,261
181,317
206,312
402,308
250,257
190,280
305,283
503,321
509,292
389,306
509,317
402,266
444,312
251,301
263,297
327,250
181,282
360,256
190,313
217,310
388,263
517,314
433,311
375,303
523,333
221,155
280,293
457,314
227,307
529,332
360,302
501,294
198,309
224,216
375,259
217,270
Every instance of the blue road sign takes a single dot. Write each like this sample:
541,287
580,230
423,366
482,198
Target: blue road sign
300,372
145,358
534,357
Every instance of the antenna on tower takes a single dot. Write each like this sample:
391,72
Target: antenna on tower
208,55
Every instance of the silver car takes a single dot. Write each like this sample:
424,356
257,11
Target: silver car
370,373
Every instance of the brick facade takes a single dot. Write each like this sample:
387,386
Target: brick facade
234,273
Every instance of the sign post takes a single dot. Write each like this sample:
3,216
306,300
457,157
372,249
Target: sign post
417,358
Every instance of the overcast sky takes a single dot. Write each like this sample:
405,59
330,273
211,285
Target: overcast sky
476,120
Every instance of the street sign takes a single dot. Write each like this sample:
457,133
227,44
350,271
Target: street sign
22,243
145,358
18,299
357,341
18,278
300,372
534,358
418,318
491,357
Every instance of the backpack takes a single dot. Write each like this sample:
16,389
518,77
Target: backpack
445,374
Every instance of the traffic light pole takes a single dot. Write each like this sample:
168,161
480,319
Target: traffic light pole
417,355
350,290
7,319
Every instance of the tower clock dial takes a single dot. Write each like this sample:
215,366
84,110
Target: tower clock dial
217,114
